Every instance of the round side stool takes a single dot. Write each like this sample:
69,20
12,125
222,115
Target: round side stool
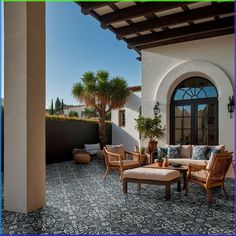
82,158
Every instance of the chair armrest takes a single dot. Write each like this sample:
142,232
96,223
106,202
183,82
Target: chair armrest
135,155
195,167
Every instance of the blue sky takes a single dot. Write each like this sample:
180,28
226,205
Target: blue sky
76,43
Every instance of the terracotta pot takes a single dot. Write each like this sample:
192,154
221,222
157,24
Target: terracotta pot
159,163
152,146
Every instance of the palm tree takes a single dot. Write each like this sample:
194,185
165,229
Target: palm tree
98,91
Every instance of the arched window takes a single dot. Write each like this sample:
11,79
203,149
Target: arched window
194,88
194,112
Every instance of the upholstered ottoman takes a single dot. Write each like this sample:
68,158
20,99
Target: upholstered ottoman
141,175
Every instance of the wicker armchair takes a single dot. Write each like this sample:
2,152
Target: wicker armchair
212,175
120,161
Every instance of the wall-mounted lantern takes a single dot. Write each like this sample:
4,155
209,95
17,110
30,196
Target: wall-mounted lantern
231,106
156,109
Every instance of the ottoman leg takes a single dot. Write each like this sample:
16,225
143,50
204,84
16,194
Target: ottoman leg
138,186
178,186
125,186
167,191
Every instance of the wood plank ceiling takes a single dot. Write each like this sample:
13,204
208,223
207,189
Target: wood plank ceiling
152,24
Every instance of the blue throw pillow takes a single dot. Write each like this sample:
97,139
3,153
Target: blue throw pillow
210,150
162,152
173,151
200,152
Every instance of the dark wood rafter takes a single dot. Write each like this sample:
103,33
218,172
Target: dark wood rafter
138,10
187,38
219,25
212,26
178,18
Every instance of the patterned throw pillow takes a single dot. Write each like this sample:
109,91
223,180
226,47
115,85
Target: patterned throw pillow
212,150
173,151
162,152
199,152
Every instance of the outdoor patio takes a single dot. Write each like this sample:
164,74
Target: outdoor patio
79,201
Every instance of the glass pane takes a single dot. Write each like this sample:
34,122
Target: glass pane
211,92
206,110
187,137
187,110
202,122
195,88
178,123
179,94
177,136
187,122
178,110
202,136
211,137
202,110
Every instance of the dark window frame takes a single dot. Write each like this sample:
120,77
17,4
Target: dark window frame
121,118
193,103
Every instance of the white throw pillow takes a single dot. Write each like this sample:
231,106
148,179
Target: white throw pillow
186,151
92,148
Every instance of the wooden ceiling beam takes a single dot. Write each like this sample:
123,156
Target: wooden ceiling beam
187,38
178,18
196,29
139,10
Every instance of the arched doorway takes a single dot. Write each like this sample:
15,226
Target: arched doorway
194,112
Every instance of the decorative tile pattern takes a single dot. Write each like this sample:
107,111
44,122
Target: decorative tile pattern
80,202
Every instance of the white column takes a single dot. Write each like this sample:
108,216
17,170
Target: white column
24,111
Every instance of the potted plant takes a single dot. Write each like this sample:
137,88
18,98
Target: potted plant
143,150
150,128
159,161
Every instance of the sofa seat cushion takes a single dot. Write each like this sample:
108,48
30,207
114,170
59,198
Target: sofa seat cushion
125,162
186,161
151,174
200,175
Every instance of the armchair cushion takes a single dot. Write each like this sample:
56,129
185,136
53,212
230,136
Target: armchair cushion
200,175
125,162
211,160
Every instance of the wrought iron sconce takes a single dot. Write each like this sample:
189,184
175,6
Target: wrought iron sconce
156,109
231,106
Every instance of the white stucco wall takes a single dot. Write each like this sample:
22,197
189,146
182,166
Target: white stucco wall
78,109
163,68
128,135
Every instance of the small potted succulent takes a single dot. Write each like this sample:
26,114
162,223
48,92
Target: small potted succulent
159,160
143,151
143,155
